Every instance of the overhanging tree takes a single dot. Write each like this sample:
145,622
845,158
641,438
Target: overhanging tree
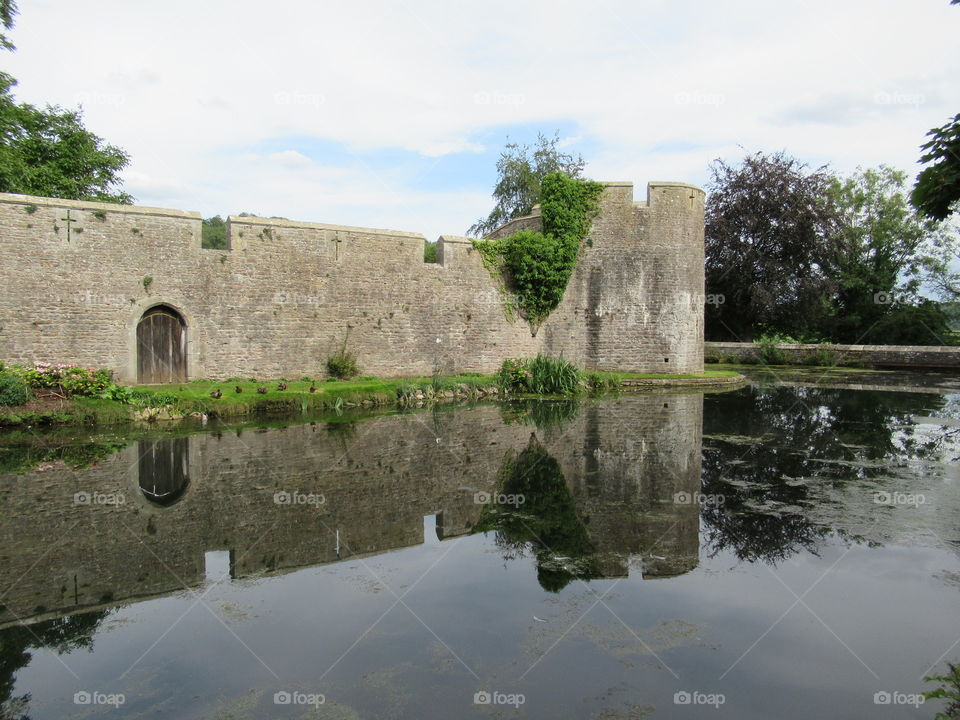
521,169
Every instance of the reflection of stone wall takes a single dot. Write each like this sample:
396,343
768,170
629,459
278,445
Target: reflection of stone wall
623,459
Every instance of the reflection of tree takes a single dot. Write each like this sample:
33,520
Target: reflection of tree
763,445
546,522
61,635
543,414
948,689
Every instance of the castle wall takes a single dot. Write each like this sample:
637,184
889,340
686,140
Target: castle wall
286,294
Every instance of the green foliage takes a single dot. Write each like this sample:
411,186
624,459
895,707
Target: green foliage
770,229
49,152
213,233
64,379
537,266
430,252
8,10
521,170
342,364
938,186
598,382
147,282
949,690
542,375
14,390
767,351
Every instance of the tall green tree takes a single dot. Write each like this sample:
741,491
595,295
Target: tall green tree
48,151
771,230
521,169
880,262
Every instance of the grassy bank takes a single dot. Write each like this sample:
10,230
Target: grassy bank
299,397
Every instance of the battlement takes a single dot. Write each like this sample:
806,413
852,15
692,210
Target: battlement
77,278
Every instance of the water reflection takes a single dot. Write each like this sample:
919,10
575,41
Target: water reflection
598,482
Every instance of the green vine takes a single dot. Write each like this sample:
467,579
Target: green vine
535,267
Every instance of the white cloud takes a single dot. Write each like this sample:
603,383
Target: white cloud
192,89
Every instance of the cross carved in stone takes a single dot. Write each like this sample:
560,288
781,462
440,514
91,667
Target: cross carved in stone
336,239
69,220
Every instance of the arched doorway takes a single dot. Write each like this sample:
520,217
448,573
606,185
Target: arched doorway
161,346
164,473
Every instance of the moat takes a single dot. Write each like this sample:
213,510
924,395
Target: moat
787,549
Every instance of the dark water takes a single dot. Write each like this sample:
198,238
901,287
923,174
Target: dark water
779,551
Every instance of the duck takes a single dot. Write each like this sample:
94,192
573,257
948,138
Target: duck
239,389
313,387
262,390
282,386
216,394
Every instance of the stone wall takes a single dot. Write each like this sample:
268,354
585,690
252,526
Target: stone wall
623,461
906,356
76,277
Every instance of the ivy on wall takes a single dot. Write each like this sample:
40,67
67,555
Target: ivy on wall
535,267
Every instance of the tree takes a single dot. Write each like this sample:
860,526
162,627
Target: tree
879,263
49,152
8,11
213,233
938,186
521,169
770,231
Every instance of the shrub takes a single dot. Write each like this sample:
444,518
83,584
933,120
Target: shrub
65,379
767,351
513,375
554,376
343,365
13,389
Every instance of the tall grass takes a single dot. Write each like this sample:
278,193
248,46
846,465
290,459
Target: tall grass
542,375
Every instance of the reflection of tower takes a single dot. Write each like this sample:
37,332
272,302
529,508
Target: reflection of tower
638,466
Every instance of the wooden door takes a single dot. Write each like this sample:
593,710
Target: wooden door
161,347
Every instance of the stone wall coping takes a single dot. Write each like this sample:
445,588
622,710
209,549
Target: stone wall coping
279,222
91,205
670,183
461,239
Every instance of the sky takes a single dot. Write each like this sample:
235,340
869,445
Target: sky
393,114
